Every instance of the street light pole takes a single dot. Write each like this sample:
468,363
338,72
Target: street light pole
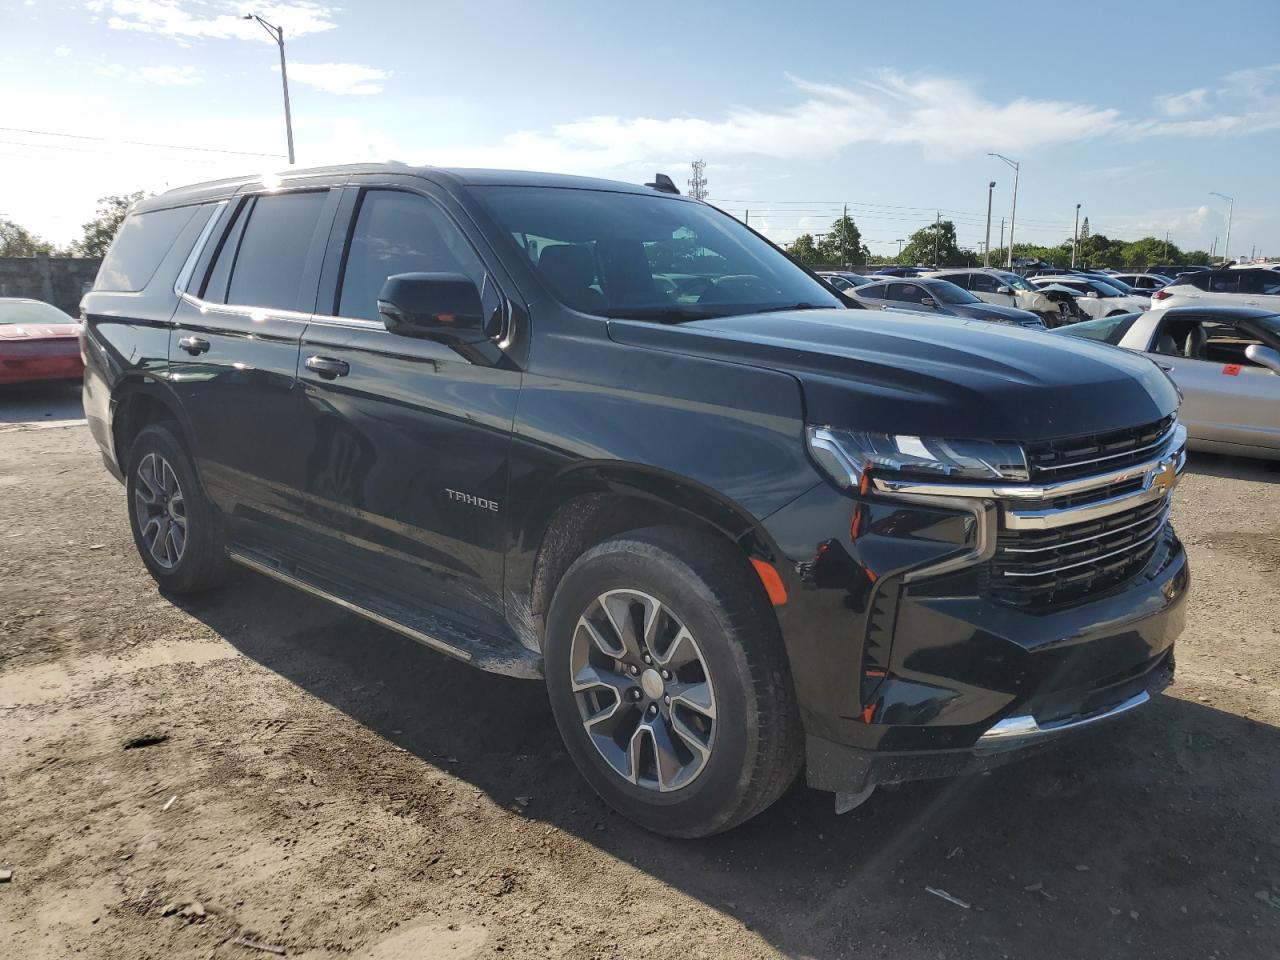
1075,237
1231,208
1013,214
899,242
277,34
986,247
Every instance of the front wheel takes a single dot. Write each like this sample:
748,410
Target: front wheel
176,529
669,682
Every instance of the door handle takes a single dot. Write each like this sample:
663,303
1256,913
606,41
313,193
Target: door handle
194,345
327,367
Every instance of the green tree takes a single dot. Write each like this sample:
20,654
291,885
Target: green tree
935,244
805,250
18,241
843,243
1196,256
101,230
1097,250
1149,250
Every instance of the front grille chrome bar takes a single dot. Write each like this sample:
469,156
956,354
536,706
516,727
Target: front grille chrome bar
1127,548
1161,517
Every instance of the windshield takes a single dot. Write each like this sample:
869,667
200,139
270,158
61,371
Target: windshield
649,256
947,292
1106,330
1017,282
1118,284
31,312
1105,289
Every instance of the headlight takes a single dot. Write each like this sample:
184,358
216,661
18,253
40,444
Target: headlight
846,455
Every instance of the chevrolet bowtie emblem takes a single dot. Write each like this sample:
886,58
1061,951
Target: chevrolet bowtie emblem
1164,478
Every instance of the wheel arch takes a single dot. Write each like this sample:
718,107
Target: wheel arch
138,402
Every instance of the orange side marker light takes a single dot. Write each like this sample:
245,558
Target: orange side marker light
772,582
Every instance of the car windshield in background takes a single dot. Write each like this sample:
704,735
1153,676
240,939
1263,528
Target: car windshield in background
31,312
647,256
1106,330
1105,289
1271,324
947,292
1017,282
1119,285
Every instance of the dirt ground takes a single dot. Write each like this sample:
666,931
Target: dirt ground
257,774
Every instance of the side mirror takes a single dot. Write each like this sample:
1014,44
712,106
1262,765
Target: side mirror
1092,294
433,306
1005,290
929,302
1264,356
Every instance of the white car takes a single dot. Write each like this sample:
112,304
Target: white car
1145,282
1226,363
1002,288
1253,287
1096,298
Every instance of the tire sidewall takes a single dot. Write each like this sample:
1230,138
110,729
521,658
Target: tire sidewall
713,795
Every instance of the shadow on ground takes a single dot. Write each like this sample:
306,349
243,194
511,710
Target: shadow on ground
1160,830
1234,468
40,403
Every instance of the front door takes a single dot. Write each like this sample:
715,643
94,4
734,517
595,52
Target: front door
405,441
233,353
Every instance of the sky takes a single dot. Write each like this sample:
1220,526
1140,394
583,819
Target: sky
1138,113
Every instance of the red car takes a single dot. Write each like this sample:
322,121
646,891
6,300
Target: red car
37,342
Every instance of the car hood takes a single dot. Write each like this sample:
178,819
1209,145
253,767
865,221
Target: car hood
900,372
37,331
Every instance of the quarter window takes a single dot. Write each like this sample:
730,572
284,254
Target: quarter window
398,232
273,251
139,246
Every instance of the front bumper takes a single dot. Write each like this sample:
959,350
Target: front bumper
906,664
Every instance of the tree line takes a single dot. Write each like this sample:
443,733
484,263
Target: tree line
936,244
17,241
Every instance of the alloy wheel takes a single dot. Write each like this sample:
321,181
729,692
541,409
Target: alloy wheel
643,690
161,510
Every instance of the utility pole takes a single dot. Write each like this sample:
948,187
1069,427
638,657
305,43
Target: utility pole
1213,251
1164,254
986,247
899,243
277,34
1001,233
844,236
1075,237
1231,209
698,182
937,229
1013,214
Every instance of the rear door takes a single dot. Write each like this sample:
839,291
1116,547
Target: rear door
1226,397
986,287
405,441
233,353
1260,288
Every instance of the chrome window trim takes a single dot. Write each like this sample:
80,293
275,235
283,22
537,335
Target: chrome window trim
189,265
244,310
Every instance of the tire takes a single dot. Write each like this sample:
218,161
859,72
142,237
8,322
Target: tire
753,738
164,494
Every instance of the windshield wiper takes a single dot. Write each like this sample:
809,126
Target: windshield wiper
795,306
661,314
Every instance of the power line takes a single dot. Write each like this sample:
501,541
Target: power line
140,143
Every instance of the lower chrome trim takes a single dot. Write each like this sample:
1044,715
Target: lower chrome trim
1019,730
286,578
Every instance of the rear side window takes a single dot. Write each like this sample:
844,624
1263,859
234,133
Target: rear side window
139,246
273,250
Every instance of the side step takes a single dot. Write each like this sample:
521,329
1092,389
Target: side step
455,640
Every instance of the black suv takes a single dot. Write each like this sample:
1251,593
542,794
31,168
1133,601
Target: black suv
607,436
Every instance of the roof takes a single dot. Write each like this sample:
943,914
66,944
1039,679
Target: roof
1230,313
453,176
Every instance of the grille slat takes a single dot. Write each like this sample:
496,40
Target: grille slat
1054,460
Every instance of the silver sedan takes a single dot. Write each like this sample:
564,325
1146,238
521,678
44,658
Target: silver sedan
1226,362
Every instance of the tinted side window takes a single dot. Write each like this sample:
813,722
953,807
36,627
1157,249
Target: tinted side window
875,291
139,246
215,287
400,233
983,283
273,251
1225,282
908,292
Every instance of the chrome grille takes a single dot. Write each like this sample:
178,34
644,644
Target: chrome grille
1044,568
1051,461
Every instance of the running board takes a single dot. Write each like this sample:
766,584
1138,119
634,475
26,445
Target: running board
468,645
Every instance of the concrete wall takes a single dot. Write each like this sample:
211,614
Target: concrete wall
61,281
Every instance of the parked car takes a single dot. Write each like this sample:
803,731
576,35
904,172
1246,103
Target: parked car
1254,287
843,280
888,271
942,298
37,342
1006,289
735,536
1144,282
1226,362
1094,297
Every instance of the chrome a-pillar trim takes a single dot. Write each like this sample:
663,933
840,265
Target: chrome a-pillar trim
1021,730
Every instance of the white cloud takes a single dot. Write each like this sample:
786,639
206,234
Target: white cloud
339,78
162,75
1180,104
184,20
1243,102
62,51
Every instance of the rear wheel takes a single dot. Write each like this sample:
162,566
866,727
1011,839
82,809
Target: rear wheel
177,531
669,682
